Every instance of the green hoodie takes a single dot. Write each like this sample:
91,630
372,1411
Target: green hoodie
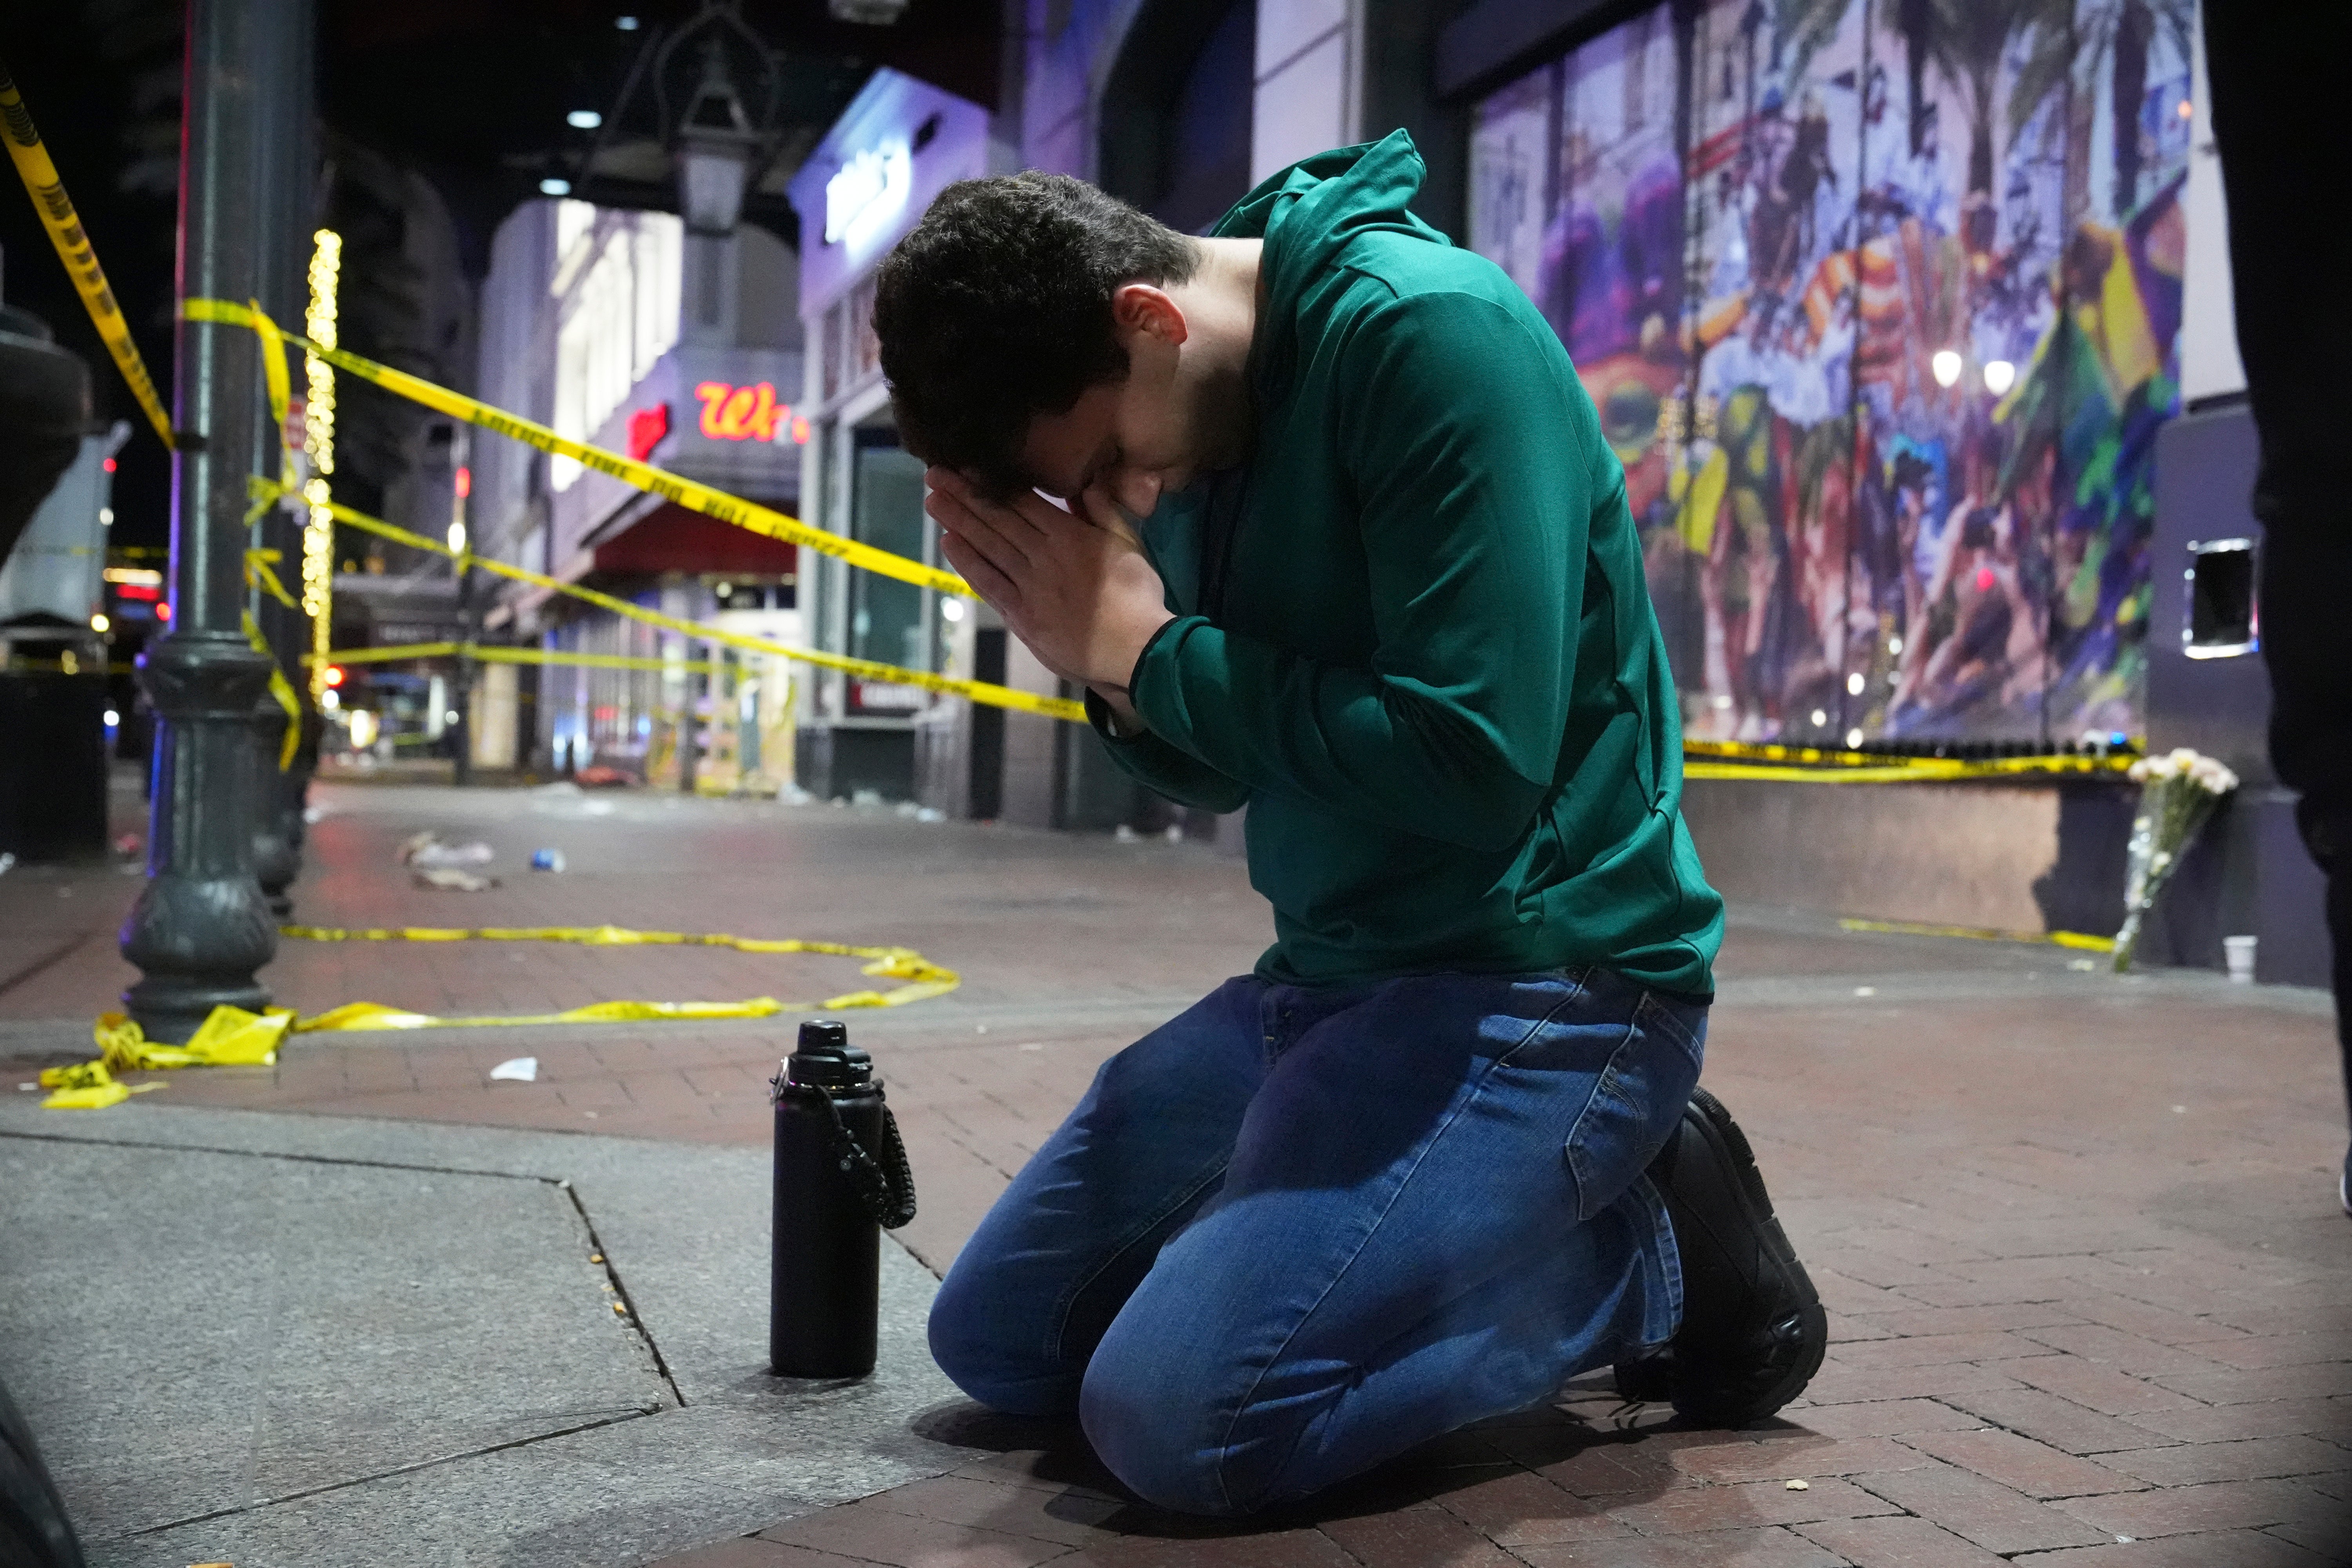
1414,634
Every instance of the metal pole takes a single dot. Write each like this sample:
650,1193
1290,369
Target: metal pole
201,927
689,731
461,539
461,696
287,173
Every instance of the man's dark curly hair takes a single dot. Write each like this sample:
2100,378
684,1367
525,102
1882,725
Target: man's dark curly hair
997,308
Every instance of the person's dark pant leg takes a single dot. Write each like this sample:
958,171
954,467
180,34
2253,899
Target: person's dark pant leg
2326,825
2284,143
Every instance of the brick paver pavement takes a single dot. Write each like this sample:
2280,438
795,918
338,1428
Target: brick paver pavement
2090,1293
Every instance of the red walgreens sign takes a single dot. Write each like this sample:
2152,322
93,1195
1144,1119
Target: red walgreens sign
646,428
731,413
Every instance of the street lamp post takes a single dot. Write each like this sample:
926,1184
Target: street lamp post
201,927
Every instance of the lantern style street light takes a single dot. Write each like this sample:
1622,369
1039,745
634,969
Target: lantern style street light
715,147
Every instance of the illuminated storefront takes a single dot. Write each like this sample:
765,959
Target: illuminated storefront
896,146
621,329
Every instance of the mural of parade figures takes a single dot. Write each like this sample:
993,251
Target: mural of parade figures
1880,304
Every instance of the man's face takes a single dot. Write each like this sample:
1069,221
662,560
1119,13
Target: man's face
1133,440
1124,438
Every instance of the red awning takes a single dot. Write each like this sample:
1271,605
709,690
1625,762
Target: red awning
672,538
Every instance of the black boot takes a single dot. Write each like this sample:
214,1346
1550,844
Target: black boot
1753,1331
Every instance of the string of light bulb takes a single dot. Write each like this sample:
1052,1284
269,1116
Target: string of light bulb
319,324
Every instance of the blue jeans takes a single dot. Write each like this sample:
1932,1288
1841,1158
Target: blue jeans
1295,1232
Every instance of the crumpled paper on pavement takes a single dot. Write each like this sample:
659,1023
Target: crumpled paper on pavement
429,849
449,879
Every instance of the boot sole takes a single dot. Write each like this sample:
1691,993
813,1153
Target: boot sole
1714,1123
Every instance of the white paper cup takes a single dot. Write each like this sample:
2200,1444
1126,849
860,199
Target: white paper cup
2239,952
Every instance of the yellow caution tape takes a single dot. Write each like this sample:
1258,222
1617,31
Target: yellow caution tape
1868,775
685,492
261,572
281,689
491,653
231,1036
1811,765
982,691
919,978
2081,941
1760,751
88,1087
74,249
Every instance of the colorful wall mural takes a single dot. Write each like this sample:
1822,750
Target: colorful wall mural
1880,304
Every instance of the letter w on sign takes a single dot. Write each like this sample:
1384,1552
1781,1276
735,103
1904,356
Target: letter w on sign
732,413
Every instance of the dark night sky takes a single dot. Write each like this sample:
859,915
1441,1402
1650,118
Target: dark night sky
466,92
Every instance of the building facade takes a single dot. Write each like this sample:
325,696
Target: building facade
896,146
620,329
1890,358
1178,106
1892,326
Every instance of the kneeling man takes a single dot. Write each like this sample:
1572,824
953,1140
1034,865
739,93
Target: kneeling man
1341,542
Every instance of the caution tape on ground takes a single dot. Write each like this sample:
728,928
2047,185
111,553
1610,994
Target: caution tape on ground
919,977
1810,764
74,249
231,1037
685,492
982,691
1867,773
2081,940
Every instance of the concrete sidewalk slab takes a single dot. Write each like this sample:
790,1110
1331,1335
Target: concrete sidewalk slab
273,1339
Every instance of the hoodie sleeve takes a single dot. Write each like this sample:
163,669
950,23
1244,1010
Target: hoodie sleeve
1154,764
1473,450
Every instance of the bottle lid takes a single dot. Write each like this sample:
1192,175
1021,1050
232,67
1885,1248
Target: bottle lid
825,1060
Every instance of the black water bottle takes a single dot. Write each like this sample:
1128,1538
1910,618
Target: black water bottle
841,1177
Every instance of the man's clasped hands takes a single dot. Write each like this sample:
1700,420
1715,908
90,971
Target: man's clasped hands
1074,585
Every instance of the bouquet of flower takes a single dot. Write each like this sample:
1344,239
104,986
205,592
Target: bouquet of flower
2178,792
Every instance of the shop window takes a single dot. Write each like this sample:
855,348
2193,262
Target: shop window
618,314
868,344
1176,111
887,623
836,317
2221,620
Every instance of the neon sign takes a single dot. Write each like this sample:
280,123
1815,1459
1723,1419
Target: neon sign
731,413
868,187
646,428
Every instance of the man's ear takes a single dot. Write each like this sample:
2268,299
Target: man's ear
1147,308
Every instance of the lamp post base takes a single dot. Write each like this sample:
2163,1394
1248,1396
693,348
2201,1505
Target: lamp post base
199,941
201,926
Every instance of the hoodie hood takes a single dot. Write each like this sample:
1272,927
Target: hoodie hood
1308,215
